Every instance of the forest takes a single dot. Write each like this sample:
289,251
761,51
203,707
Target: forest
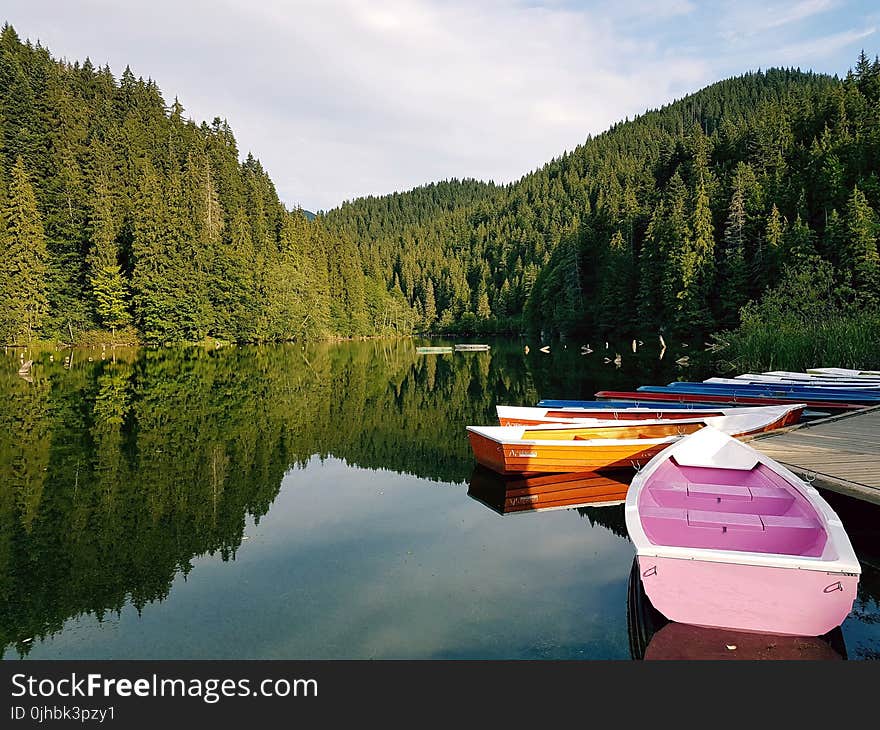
119,215
670,222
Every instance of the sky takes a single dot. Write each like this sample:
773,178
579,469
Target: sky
345,98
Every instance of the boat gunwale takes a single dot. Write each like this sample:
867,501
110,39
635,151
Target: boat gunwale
749,423
570,443
846,561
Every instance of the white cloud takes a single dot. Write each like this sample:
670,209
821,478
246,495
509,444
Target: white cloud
341,98
805,52
794,13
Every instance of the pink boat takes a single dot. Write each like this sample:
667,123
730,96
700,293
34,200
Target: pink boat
726,537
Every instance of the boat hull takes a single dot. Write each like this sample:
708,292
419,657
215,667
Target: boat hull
672,396
755,598
864,396
510,459
789,418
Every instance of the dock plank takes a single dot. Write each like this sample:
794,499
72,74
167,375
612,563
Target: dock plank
840,453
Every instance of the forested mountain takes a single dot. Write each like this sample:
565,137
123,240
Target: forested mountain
670,221
117,211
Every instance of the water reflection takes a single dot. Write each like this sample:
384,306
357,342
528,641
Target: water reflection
862,522
155,502
119,468
509,495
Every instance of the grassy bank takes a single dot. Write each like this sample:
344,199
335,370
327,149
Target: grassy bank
838,340
805,322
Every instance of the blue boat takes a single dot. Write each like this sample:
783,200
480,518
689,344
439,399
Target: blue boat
619,404
772,390
697,389
653,405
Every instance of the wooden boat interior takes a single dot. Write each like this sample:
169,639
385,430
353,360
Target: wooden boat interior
645,431
754,510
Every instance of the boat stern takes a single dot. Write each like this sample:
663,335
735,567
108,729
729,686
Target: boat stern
764,599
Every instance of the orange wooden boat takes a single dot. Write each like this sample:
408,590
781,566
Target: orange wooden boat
554,448
509,454
508,495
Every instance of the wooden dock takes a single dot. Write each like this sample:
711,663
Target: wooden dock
841,453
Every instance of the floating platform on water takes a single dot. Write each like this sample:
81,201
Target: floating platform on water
472,348
841,453
434,350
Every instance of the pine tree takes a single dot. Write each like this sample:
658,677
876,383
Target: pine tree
861,256
799,242
430,313
774,236
697,269
23,266
482,308
108,285
153,279
834,245
615,293
651,302
733,265
503,306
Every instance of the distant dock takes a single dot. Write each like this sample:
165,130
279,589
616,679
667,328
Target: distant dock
472,348
446,349
840,453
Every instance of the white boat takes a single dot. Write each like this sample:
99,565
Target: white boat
726,537
845,372
816,376
780,416
779,380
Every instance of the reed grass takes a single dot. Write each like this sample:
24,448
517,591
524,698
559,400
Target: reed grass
807,320
848,340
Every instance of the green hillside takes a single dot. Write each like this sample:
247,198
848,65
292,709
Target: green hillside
117,213
673,220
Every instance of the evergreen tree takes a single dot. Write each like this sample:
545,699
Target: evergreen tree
697,269
861,255
834,247
482,309
430,312
773,245
157,299
23,267
108,285
615,292
733,273
799,242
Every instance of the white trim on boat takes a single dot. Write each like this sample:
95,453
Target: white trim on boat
739,421
709,442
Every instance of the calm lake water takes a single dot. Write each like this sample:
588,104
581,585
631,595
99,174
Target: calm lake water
290,502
